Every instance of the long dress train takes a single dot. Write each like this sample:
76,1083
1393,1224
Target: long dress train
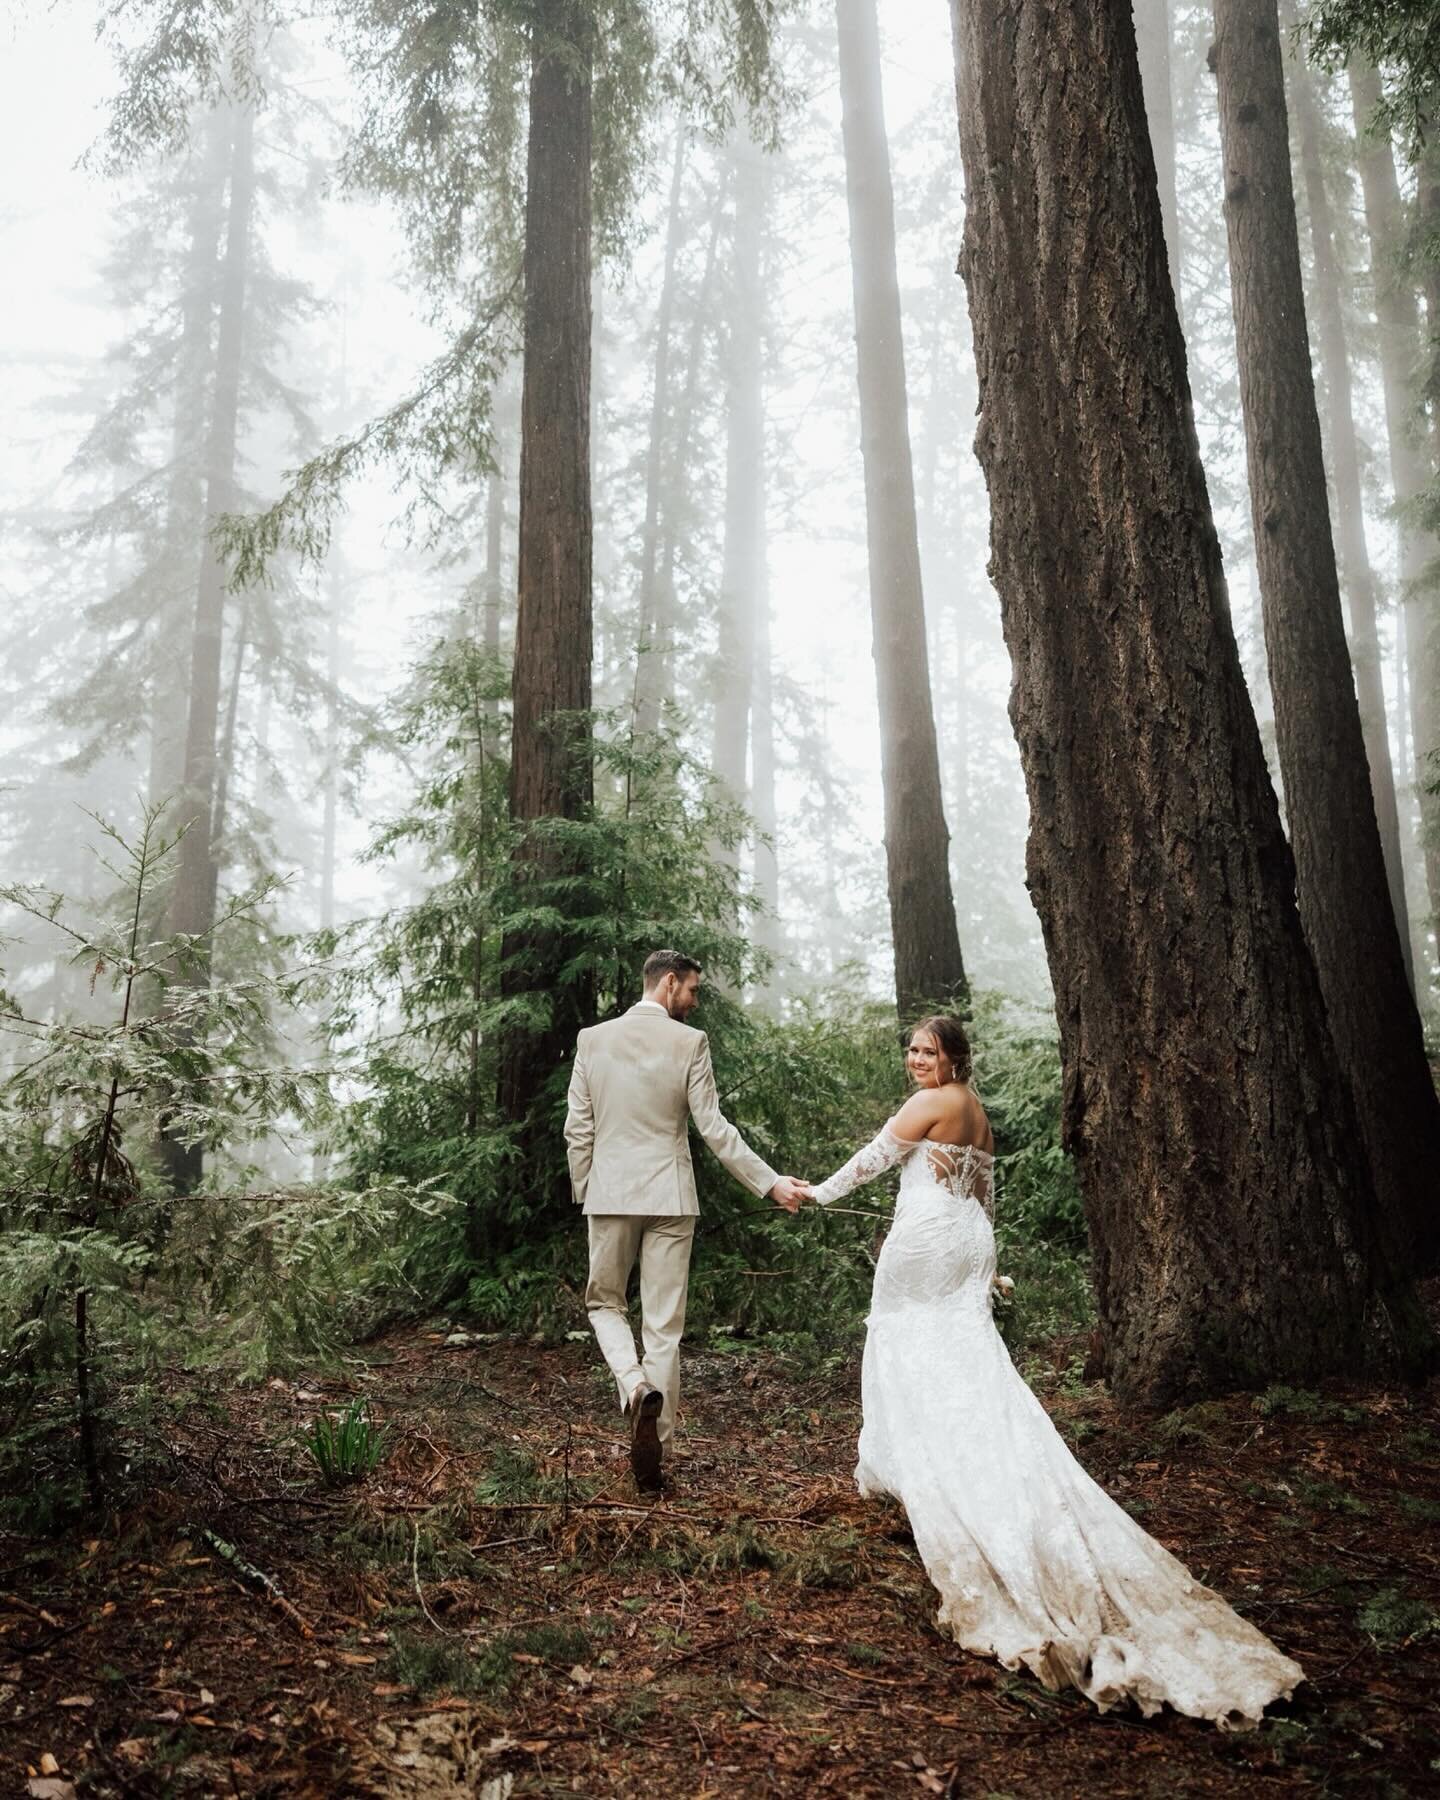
1035,1564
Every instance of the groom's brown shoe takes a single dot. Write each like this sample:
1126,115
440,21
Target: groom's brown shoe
646,1404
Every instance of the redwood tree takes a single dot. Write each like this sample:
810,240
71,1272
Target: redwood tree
1412,459
1344,895
550,771
928,963
1344,464
192,900
1226,1188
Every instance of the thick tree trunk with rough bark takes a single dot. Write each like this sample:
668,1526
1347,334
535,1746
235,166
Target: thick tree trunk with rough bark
1412,460
1344,895
1344,461
929,969
1227,1192
551,773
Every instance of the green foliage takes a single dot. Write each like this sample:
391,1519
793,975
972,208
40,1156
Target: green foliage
433,1665
104,1273
640,869
831,1557
348,1448
1400,37
1393,1617
431,990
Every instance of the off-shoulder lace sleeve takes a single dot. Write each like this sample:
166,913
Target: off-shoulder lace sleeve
883,1152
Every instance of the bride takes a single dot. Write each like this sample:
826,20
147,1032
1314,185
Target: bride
1034,1562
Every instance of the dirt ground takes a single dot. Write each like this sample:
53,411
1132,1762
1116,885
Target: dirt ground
492,1614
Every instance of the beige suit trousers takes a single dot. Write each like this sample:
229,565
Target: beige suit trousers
662,1245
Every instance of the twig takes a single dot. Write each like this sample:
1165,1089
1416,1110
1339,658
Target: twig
419,1593
855,1675
565,1506
255,1578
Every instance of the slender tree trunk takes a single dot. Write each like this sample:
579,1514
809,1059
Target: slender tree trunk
742,572
929,969
330,817
1345,903
649,651
192,903
1227,1192
225,759
494,553
1359,581
673,511
1152,33
1412,464
185,499
551,772
762,762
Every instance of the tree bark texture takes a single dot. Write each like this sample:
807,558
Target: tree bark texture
1412,459
1344,895
1344,460
551,773
1227,1193
929,969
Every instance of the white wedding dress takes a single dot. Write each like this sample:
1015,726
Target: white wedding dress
1035,1563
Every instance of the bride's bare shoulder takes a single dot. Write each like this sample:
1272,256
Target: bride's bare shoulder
967,1118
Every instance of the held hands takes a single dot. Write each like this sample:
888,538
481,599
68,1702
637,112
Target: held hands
790,1193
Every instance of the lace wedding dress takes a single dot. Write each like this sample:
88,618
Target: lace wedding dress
1035,1563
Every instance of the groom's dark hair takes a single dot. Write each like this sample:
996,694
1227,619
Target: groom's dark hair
660,963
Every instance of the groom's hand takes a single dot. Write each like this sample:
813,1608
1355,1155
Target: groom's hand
790,1193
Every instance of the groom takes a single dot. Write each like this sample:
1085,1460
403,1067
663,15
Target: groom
635,1081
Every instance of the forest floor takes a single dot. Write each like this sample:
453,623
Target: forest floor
491,1614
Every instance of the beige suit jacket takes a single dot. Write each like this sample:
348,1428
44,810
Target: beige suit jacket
635,1081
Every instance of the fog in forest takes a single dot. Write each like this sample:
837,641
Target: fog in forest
95,280
910,528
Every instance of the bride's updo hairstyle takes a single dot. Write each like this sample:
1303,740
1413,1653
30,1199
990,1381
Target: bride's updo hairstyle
949,1034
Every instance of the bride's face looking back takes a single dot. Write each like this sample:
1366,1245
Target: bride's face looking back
926,1062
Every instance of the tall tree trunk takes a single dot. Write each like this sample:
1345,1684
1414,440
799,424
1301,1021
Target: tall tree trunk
650,652
185,497
1344,895
330,817
1412,465
225,757
762,762
1152,33
192,904
672,512
1359,581
1227,1192
929,969
551,772
742,570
